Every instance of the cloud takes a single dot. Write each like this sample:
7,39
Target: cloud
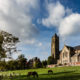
40,44
70,25
16,17
32,41
66,21
56,13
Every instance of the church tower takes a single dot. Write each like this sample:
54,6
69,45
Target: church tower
55,47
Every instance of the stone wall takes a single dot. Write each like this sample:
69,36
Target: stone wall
65,56
55,47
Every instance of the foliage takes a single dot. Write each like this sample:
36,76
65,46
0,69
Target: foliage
2,51
22,61
37,63
50,60
12,65
30,64
7,43
18,64
2,65
34,63
44,63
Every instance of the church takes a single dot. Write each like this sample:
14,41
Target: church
68,55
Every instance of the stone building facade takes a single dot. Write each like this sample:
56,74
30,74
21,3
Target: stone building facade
68,55
55,47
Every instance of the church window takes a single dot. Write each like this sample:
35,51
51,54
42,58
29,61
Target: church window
65,54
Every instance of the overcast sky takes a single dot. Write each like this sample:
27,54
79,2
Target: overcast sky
36,21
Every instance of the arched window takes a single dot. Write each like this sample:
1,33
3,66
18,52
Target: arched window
65,54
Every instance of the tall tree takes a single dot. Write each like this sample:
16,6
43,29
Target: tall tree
2,51
7,43
50,60
44,63
22,61
37,63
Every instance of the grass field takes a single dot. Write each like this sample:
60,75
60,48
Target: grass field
59,73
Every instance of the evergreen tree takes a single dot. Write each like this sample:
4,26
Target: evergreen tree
50,60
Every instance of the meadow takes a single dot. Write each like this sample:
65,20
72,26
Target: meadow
59,73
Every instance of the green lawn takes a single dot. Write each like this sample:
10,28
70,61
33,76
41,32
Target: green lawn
59,73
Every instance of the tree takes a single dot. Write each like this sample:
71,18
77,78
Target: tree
2,51
7,44
50,60
34,63
30,64
37,63
22,62
2,65
44,63
12,65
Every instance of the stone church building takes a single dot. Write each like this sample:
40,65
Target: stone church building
68,55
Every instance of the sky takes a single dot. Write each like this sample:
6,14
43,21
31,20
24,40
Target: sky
36,21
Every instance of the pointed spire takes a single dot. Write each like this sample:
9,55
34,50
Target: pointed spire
55,35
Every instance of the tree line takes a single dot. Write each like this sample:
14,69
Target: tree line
22,63
8,45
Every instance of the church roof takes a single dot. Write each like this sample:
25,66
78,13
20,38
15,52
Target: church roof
69,47
73,48
77,47
76,54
